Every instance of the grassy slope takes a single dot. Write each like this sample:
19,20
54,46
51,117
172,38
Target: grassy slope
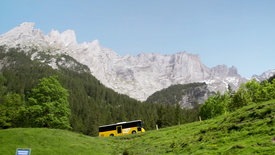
50,142
246,131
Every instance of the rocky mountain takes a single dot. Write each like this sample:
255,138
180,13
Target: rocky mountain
187,95
137,76
265,75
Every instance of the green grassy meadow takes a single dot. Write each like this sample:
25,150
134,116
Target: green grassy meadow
51,142
249,130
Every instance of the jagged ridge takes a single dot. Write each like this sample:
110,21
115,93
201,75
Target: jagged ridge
137,76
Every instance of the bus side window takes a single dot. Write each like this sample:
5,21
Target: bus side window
119,129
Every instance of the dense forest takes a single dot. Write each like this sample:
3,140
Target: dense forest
90,103
187,95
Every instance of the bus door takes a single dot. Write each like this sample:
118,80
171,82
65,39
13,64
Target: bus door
119,130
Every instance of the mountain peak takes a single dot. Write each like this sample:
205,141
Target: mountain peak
66,38
264,75
95,42
24,28
28,25
22,34
224,70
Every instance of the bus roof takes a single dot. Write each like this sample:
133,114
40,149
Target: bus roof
119,123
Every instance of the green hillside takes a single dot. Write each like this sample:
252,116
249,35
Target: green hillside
51,142
249,130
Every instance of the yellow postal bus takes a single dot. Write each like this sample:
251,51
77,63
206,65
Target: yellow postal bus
121,128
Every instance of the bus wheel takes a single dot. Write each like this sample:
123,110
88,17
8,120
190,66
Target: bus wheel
111,135
133,132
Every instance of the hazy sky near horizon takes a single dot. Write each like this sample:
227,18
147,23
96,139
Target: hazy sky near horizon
232,32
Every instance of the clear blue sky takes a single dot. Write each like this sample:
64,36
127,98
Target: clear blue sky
231,32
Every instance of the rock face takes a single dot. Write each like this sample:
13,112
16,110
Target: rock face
187,96
137,76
